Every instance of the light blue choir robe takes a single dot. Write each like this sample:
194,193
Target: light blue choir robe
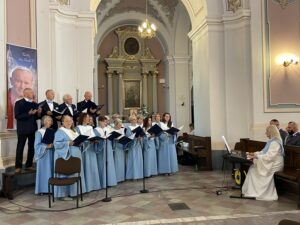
89,158
101,159
134,167
120,158
63,150
167,156
150,157
44,162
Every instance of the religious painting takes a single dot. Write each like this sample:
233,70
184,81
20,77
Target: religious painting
132,94
21,63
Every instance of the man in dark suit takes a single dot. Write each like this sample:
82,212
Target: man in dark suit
89,107
294,135
68,108
48,106
283,133
26,114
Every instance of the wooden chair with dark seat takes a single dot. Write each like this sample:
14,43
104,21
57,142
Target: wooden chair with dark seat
71,166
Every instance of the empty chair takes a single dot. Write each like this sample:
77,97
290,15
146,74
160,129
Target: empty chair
71,169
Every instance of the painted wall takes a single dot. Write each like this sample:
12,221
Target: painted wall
18,22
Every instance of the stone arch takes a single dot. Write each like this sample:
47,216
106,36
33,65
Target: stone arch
133,18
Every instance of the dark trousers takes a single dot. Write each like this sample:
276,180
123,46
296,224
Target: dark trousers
20,148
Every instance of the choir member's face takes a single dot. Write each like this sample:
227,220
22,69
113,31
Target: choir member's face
86,120
167,117
149,121
91,121
68,99
157,118
119,126
50,95
133,121
68,121
102,123
28,93
88,96
140,121
48,122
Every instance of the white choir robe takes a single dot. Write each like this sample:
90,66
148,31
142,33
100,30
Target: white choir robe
167,156
89,158
101,159
63,150
259,181
134,166
150,157
44,162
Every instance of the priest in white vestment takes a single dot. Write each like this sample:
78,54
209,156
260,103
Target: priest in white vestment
259,181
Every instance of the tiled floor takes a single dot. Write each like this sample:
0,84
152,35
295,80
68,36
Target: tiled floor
196,189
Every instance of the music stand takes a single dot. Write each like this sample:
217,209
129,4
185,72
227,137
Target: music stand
106,199
144,179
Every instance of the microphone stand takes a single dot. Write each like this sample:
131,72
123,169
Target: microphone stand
106,199
144,180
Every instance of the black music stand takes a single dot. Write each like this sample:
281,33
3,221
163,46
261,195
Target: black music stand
144,179
106,199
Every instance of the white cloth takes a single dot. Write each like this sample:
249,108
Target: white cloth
86,130
50,104
259,181
70,133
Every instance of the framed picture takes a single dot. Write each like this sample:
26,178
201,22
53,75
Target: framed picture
132,93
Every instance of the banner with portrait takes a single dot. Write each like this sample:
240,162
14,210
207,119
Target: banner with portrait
21,64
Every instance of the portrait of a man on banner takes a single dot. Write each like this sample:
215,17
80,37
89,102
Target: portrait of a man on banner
21,74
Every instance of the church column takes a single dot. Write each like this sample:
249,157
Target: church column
121,94
154,91
145,75
110,92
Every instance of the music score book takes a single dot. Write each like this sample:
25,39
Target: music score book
139,132
174,130
80,139
48,137
155,129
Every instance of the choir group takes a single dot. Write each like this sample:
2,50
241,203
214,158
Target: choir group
143,156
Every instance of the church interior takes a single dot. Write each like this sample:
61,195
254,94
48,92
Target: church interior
222,69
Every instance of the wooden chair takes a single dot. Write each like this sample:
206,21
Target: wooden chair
71,166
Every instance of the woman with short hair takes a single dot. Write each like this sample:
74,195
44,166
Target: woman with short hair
44,154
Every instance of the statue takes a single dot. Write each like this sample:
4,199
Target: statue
114,53
148,53
233,5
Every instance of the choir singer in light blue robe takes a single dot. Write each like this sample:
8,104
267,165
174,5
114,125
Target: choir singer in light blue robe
134,168
102,131
63,144
89,156
149,151
167,157
119,153
43,157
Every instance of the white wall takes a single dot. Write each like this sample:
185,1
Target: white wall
65,49
222,75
